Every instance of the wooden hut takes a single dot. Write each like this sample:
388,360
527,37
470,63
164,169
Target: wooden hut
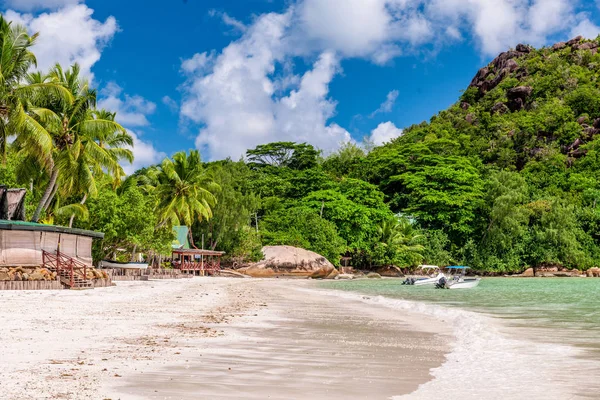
23,243
197,262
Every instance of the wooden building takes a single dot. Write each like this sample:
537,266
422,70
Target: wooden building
196,261
23,243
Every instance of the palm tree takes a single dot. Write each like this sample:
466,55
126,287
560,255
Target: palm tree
94,153
17,95
184,190
400,236
85,142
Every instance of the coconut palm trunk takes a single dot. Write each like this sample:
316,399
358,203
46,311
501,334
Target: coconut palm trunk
47,193
73,215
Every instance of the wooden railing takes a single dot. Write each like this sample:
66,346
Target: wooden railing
211,267
66,268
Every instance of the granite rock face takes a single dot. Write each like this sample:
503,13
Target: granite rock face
291,262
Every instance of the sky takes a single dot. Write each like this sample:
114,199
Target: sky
223,76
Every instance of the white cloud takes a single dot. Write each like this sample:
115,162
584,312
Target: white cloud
67,36
198,63
353,27
385,132
238,103
380,29
144,154
169,102
388,104
132,111
228,20
31,5
499,24
586,28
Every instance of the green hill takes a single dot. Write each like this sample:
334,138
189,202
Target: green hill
509,175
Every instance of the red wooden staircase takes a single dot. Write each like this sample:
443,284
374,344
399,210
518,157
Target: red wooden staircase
72,272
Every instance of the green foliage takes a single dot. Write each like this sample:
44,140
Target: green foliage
303,227
129,223
399,243
283,154
585,100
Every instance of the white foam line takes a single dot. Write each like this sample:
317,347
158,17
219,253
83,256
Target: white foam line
484,363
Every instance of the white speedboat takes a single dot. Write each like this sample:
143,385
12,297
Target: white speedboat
127,265
458,279
433,273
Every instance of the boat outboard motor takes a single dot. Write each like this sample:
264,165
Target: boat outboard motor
409,281
441,284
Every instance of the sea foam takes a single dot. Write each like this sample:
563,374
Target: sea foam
488,359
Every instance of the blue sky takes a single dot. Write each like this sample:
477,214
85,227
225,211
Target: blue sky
223,76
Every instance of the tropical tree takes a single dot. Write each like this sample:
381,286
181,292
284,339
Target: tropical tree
399,242
185,190
17,95
85,142
100,152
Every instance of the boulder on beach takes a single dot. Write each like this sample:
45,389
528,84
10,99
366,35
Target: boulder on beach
528,273
289,261
593,272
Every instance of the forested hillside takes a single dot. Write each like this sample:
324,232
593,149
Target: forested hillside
506,178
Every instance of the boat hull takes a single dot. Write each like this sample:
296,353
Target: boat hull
463,284
428,281
113,264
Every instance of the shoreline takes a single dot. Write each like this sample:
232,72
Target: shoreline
212,338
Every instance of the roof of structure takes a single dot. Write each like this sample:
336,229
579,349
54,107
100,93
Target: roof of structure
198,252
33,226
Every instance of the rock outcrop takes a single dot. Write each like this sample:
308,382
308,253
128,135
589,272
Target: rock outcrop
289,261
528,273
593,272
487,78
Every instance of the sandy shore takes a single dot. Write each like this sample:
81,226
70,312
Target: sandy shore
211,338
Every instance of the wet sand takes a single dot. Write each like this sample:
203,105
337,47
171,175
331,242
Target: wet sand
211,338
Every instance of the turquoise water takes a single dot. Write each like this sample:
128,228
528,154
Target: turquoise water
568,307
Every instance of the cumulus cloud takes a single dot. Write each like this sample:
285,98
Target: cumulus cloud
69,35
385,132
586,28
388,104
198,63
132,111
380,29
144,154
239,107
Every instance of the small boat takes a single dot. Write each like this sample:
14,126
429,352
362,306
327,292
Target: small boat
124,265
434,273
458,280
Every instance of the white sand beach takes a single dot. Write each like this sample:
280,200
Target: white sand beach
214,338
